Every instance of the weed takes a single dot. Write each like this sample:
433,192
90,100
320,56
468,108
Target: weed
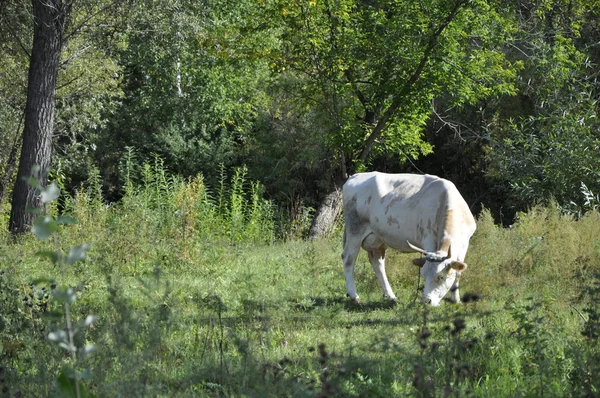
196,296
45,227
588,351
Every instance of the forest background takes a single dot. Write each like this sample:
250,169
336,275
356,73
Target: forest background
499,97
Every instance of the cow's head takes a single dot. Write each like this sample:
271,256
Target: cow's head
440,272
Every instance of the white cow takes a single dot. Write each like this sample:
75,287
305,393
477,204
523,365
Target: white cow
407,212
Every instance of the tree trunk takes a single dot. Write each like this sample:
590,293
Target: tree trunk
49,18
328,211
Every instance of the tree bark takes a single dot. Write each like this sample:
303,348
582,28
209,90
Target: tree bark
49,18
330,208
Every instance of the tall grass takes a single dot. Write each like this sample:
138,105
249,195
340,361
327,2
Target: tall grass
196,295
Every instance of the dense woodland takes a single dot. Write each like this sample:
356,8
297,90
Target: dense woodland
499,97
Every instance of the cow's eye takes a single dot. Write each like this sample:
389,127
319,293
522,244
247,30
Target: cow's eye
439,278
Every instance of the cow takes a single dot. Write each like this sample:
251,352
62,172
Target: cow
407,212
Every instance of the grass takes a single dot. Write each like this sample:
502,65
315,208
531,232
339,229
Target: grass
198,296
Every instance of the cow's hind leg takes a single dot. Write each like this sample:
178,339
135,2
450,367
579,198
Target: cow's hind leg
351,249
377,259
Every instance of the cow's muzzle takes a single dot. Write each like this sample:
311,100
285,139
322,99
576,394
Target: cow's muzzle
427,300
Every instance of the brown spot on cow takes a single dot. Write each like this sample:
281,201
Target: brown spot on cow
351,214
392,203
447,231
420,232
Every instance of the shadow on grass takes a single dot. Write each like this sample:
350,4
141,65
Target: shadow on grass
312,303
383,304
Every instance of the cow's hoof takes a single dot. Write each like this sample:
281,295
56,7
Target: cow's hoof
355,300
390,301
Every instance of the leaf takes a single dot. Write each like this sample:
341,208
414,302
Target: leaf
65,220
33,210
50,193
52,256
66,383
42,279
86,374
89,320
67,346
77,253
87,350
44,227
32,182
52,315
59,335
65,296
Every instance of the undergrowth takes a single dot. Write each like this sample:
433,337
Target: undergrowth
201,291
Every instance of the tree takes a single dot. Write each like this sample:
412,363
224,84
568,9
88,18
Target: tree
14,29
548,150
66,63
190,92
49,19
374,67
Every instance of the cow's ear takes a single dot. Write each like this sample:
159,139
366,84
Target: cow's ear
419,261
458,265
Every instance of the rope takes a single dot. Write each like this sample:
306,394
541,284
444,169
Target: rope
418,281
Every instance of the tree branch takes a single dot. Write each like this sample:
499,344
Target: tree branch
74,56
357,92
455,126
89,18
18,40
414,77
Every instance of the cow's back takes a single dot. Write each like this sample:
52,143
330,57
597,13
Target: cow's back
397,208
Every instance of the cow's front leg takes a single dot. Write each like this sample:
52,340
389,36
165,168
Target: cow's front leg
454,294
377,259
349,259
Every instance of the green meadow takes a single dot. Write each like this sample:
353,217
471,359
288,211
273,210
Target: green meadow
207,291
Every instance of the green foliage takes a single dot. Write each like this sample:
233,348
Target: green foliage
545,152
237,212
293,179
591,331
373,69
188,306
190,99
549,156
300,90
45,227
543,354
89,93
14,33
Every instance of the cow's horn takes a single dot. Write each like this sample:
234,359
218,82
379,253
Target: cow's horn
415,248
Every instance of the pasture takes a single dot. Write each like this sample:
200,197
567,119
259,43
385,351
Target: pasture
197,294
